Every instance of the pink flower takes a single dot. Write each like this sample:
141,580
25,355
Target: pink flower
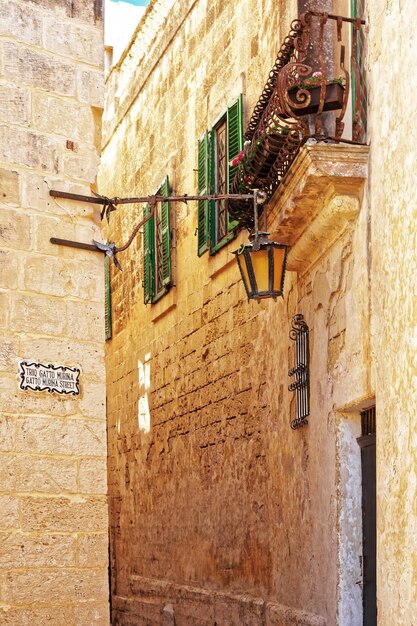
317,75
238,158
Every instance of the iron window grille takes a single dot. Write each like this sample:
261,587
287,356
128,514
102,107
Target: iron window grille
368,422
299,333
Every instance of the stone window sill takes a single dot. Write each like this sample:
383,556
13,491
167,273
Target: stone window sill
224,258
164,305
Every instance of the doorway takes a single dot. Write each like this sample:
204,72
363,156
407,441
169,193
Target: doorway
367,443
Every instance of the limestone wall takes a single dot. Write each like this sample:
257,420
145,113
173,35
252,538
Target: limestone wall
393,37
217,507
53,512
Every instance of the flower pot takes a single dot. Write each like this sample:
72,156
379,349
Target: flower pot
332,102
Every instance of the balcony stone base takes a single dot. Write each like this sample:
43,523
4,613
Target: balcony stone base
318,200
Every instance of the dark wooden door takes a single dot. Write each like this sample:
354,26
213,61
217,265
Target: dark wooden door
368,449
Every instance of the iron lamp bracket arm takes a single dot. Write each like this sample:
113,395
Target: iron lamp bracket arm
104,200
110,204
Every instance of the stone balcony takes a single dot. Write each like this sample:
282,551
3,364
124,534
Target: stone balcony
309,97
318,200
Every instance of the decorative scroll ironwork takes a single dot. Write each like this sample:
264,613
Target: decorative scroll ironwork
300,91
299,333
291,42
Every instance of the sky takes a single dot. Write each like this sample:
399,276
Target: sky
136,3
120,20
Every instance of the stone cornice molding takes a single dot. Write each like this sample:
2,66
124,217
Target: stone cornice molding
318,199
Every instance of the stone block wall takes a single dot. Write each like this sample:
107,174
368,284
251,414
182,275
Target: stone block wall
53,509
217,507
392,38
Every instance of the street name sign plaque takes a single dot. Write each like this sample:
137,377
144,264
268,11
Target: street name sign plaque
52,378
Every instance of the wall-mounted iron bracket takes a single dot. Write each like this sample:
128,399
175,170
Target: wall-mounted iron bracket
299,333
110,204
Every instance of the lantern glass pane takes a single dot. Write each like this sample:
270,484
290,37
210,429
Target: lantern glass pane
261,269
279,254
242,260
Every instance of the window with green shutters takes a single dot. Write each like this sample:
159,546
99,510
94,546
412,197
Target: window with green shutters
216,150
157,265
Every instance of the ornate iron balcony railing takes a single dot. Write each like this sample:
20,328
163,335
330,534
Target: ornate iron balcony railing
307,95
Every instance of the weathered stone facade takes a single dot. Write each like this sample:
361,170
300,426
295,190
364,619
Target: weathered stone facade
394,288
53,510
218,506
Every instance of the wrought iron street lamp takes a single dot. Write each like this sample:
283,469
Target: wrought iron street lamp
262,261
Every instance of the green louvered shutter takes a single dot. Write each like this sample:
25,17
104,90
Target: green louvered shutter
212,188
166,236
203,183
353,13
107,299
234,143
148,256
